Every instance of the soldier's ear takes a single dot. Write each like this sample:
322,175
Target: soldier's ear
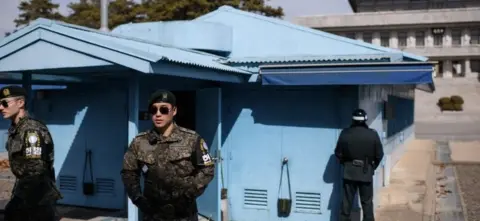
174,110
21,102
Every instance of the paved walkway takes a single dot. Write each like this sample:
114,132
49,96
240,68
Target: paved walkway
411,193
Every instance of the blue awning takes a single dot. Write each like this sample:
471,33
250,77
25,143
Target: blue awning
413,73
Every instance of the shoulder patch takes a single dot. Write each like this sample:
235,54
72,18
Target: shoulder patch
183,129
33,144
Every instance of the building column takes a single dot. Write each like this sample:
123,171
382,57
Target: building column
428,38
447,38
447,69
466,37
393,39
467,69
27,85
376,38
133,109
435,71
411,39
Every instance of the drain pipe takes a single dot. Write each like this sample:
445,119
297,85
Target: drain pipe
104,15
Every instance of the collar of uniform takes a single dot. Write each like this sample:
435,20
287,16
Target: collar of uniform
174,136
14,127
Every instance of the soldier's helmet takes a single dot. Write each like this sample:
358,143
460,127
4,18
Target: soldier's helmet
359,115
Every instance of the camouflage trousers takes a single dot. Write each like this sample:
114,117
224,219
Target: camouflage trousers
157,217
16,210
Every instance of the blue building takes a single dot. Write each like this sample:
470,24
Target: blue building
258,89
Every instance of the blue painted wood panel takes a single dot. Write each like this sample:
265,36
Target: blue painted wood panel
88,118
208,117
265,125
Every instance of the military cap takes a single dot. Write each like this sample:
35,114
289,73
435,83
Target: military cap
162,96
12,91
359,115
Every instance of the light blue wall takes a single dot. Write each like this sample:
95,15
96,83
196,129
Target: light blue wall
94,116
263,125
395,131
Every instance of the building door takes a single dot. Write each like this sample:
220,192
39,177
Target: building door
273,124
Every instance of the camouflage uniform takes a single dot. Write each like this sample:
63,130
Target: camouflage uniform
177,169
30,151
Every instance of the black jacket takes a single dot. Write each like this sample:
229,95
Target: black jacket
360,151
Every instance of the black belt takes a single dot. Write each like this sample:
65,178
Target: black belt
173,209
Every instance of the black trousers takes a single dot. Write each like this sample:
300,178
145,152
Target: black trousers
365,190
17,210
155,217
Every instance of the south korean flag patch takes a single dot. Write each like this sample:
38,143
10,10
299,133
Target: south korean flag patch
206,159
33,147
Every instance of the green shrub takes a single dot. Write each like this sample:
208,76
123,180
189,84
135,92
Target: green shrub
458,107
444,100
447,107
457,99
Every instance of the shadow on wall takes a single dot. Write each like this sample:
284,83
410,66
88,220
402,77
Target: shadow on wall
88,118
403,115
333,175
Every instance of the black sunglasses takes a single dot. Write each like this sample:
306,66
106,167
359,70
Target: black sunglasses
4,103
163,110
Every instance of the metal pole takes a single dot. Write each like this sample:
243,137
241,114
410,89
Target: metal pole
104,15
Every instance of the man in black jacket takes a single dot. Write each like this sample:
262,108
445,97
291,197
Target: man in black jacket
360,151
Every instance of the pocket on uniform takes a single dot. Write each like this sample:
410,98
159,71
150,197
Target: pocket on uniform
146,158
146,162
178,154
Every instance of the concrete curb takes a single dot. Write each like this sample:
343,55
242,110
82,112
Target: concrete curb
430,190
462,199
453,163
429,202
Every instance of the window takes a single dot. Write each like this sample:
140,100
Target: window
350,35
475,66
385,39
456,37
438,40
475,36
367,37
420,38
402,39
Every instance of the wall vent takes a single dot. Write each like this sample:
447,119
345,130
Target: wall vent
308,202
255,199
67,183
105,186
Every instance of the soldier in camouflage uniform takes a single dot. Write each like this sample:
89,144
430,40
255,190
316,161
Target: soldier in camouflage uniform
174,161
30,151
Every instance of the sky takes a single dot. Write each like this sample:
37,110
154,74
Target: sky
292,8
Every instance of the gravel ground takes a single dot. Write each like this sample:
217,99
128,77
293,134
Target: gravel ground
66,213
469,180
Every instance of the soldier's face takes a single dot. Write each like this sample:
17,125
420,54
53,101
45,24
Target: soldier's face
10,107
162,114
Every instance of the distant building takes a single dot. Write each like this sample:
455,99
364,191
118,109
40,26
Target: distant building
446,31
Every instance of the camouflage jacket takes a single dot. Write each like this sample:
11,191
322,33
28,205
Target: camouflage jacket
31,155
177,169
